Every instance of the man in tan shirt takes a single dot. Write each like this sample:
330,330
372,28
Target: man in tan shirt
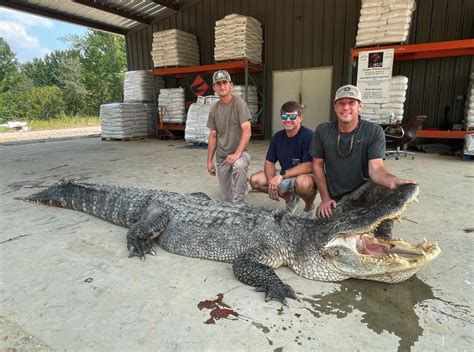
228,139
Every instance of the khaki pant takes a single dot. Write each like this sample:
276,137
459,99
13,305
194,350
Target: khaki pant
233,179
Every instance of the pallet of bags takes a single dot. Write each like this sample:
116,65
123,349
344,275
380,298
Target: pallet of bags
174,48
123,121
391,111
469,111
384,21
138,86
252,99
151,118
238,37
196,131
171,100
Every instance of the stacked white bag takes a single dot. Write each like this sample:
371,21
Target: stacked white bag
196,131
174,48
238,37
252,99
123,120
172,99
138,86
391,111
469,119
384,21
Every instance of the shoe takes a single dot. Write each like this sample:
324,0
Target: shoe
293,204
249,188
308,214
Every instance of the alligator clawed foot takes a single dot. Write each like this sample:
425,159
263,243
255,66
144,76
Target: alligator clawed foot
139,249
278,293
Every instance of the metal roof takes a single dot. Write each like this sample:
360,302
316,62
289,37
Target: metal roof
116,16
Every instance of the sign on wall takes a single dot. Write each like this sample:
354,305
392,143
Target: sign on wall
374,71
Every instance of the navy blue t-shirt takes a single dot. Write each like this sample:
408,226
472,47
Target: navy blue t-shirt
292,151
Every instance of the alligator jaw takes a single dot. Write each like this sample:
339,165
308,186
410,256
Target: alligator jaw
363,256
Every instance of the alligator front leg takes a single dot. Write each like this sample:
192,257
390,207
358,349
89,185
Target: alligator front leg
141,234
249,269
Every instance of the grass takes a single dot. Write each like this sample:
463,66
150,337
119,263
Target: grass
64,122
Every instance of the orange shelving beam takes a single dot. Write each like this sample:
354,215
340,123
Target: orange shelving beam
231,66
426,51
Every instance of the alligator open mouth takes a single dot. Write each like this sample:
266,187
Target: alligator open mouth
366,257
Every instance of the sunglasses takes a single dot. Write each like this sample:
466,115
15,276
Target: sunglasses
291,116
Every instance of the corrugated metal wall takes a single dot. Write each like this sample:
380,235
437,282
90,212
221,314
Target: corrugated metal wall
316,33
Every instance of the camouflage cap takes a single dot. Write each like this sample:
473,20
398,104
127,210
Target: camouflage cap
221,75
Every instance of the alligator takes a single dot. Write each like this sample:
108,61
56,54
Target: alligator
257,240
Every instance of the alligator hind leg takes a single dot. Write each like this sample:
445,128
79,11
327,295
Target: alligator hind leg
141,234
248,268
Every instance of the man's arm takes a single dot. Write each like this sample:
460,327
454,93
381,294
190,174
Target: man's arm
244,141
211,150
327,203
379,174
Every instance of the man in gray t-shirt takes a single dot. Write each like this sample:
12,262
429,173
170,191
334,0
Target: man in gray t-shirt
229,136
347,153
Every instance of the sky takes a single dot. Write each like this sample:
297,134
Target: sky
34,36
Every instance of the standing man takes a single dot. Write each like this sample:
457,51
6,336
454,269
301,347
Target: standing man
228,139
290,147
347,153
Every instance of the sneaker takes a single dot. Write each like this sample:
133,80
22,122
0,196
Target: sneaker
308,214
249,188
293,204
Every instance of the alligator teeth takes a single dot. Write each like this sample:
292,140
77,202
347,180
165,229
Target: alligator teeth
416,200
395,255
398,219
425,240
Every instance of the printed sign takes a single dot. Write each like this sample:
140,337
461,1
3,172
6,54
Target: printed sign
374,72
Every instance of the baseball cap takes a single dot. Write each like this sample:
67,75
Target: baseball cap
221,75
348,91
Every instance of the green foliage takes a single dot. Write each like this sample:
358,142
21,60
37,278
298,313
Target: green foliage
73,82
103,63
44,103
8,67
64,122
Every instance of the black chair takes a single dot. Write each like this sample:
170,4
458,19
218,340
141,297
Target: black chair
401,135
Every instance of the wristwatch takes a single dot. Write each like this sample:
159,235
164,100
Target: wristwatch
283,172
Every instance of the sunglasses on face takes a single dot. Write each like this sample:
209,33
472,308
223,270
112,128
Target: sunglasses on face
292,117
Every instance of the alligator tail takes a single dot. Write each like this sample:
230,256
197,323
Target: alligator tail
118,205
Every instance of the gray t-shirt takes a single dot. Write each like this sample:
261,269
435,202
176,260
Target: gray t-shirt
226,120
346,171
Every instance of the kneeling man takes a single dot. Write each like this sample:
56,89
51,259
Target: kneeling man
290,147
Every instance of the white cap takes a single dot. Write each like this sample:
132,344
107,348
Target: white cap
221,75
348,91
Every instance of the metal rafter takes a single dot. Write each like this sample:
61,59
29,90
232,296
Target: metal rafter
169,4
103,7
29,8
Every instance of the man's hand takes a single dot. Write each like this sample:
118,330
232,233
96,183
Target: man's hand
211,168
274,187
400,182
325,208
231,158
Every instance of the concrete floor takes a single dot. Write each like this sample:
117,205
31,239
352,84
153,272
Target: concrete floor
67,284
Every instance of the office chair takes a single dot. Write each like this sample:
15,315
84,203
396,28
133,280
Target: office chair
401,135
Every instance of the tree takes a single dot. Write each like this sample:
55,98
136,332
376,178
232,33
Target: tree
43,103
103,64
8,67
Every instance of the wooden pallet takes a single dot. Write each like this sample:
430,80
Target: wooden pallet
124,139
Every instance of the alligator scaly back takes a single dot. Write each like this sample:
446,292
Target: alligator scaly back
254,239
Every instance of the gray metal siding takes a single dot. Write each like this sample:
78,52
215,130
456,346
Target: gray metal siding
315,33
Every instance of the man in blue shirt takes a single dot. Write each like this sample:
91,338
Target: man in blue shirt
290,147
